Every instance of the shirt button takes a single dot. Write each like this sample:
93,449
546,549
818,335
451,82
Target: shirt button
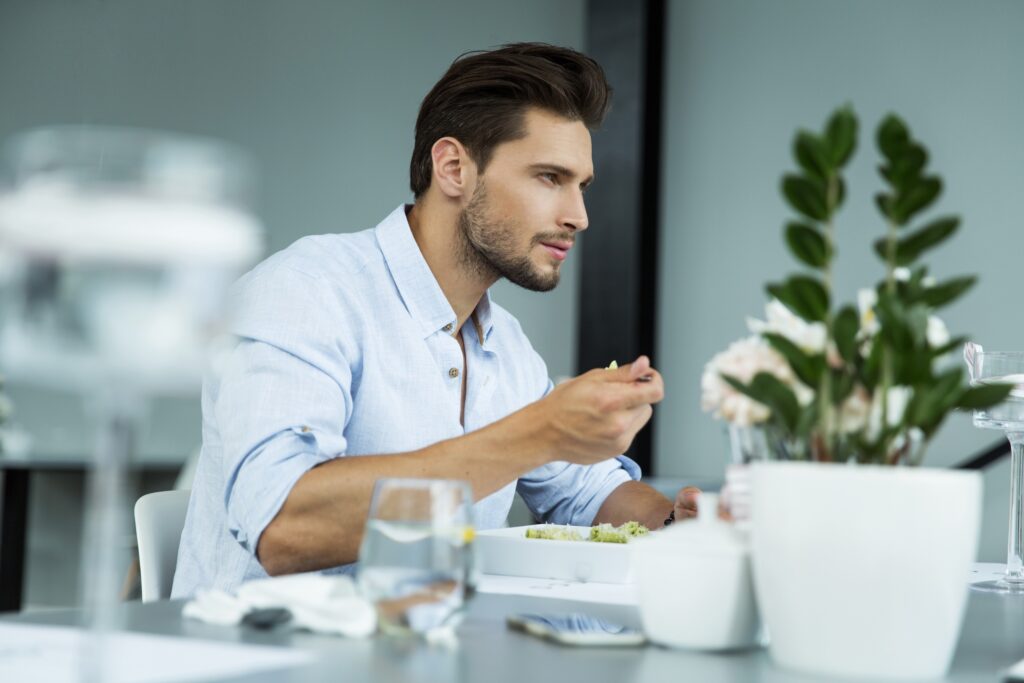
453,373
448,327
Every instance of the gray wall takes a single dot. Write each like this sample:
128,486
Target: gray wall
324,95
742,76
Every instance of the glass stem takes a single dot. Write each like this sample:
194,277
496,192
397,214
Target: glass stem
1014,549
105,561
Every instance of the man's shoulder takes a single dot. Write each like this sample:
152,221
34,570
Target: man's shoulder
333,257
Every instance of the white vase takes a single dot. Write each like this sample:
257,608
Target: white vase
862,571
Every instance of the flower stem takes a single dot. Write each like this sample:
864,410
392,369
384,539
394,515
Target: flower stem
890,288
825,389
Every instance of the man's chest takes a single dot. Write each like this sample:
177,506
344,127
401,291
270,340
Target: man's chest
409,392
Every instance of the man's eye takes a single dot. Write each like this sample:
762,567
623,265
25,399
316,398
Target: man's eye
550,177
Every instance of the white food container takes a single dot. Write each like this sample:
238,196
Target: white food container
508,552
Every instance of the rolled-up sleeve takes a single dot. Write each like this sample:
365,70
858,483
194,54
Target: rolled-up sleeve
565,493
284,397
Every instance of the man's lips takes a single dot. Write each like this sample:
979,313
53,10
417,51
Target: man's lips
557,248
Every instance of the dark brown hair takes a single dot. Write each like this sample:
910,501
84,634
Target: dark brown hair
482,100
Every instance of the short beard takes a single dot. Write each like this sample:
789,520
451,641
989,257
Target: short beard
487,248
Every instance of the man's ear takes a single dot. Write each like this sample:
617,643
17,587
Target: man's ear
454,170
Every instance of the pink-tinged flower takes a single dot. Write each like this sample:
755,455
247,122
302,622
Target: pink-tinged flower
743,360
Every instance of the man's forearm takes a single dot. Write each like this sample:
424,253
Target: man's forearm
635,501
321,522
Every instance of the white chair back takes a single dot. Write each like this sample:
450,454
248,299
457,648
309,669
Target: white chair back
159,519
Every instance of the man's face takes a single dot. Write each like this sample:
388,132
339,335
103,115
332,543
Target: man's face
527,207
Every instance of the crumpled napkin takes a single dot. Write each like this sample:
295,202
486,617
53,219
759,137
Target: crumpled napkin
324,604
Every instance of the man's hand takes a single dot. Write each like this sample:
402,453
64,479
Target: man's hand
595,416
686,503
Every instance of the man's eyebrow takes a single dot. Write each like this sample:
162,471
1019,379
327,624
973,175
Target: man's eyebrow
562,171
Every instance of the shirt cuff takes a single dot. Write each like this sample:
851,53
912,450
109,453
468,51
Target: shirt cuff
259,492
584,516
630,466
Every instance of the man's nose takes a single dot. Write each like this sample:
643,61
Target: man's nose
576,215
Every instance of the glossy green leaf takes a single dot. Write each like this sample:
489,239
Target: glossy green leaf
933,400
884,203
842,386
808,245
892,319
954,344
892,136
778,397
844,330
871,371
841,135
840,192
809,151
909,248
806,367
908,166
806,196
803,295
915,198
948,291
767,390
984,396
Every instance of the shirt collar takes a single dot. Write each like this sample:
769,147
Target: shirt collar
416,284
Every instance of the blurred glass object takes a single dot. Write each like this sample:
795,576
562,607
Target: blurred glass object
1001,367
117,248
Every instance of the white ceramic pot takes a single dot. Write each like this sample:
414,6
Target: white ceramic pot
862,571
694,584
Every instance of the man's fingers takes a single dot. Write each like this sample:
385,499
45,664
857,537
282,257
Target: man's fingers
687,497
639,368
639,393
686,502
630,372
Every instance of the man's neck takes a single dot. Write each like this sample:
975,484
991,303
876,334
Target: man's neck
435,229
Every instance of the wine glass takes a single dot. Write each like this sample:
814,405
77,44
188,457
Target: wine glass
416,559
1000,367
117,247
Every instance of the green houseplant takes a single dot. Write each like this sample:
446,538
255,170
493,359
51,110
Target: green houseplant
868,381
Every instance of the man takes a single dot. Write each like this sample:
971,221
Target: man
385,345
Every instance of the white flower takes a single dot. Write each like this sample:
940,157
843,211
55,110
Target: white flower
810,337
898,397
854,411
901,274
937,333
866,301
743,360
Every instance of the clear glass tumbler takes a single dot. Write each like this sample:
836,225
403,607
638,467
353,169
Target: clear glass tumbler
416,560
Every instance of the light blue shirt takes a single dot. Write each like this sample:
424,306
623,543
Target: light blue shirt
345,348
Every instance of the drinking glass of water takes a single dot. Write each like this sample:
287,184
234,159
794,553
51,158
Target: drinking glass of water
416,559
